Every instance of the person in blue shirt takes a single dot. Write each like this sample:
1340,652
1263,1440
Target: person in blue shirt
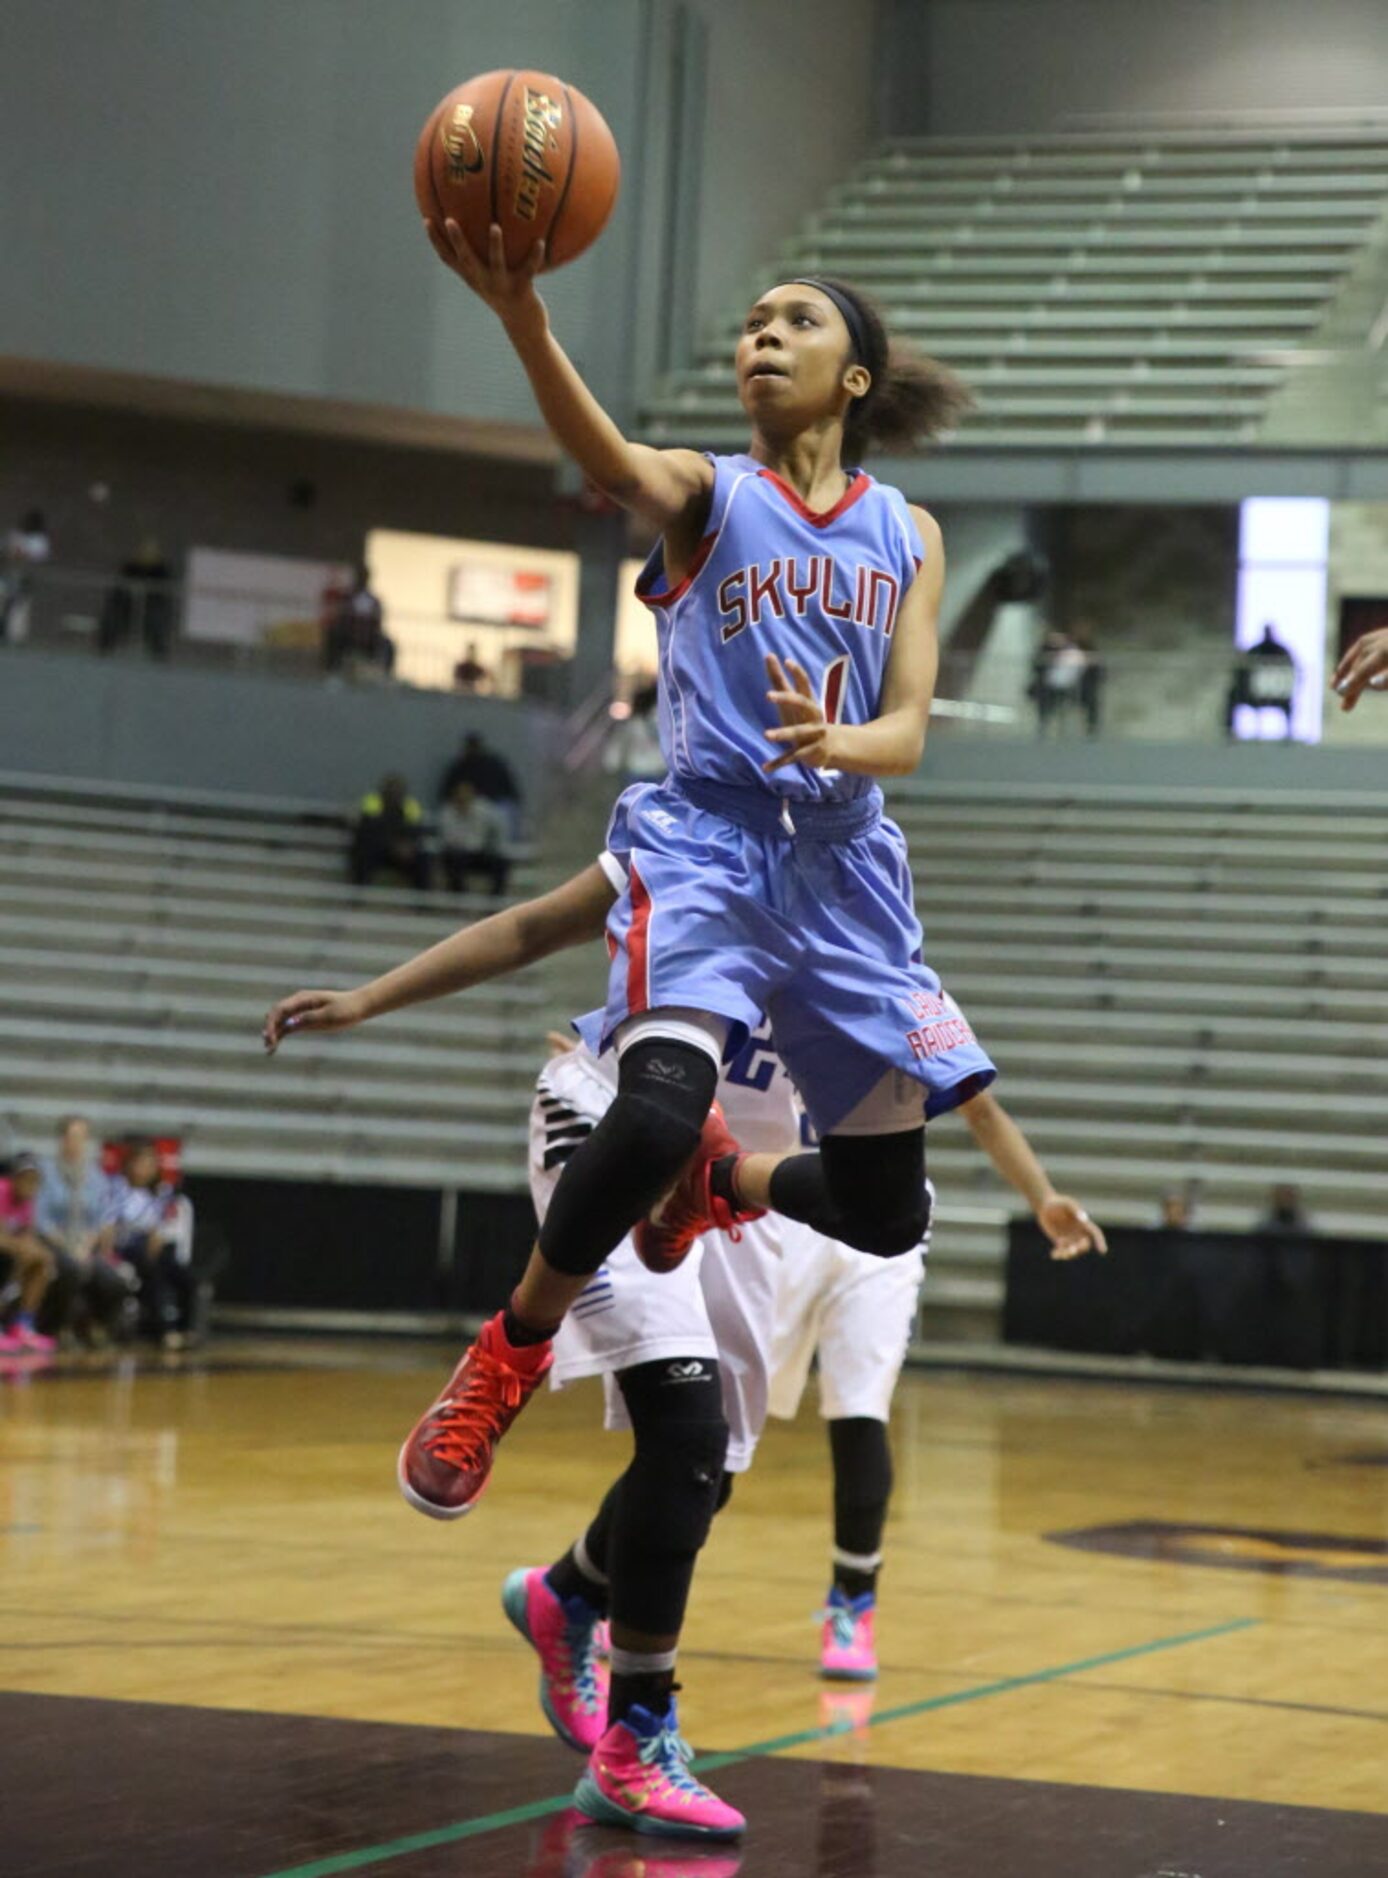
72,1215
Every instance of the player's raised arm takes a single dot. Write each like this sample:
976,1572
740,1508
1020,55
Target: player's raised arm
492,948
661,486
892,743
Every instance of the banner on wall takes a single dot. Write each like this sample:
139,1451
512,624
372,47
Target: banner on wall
480,593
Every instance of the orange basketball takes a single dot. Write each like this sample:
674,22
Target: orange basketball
525,150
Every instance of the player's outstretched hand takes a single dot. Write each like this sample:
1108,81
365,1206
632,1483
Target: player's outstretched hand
805,731
310,1010
1069,1228
509,292
1364,667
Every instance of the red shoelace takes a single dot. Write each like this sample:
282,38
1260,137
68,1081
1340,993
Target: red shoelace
466,1426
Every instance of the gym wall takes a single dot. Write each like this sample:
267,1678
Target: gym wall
223,193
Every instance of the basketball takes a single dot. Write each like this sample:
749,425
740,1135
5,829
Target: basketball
524,150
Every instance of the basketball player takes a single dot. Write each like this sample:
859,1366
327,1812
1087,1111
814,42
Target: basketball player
757,880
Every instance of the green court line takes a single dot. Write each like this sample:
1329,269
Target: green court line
539,1809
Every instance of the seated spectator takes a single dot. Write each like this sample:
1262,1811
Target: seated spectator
389,838
25,547
470,674
472,832
1177,1214
89,1292
488,772
1286,1211
153,1235
30,1260
356,640
1058,680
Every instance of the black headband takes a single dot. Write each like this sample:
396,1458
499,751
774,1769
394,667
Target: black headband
852,318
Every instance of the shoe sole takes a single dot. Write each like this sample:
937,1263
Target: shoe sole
429,1507
594,1804
514,1599
847,1675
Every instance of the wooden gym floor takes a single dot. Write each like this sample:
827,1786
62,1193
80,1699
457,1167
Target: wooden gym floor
1127,1632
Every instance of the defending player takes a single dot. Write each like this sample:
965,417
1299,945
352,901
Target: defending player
756,882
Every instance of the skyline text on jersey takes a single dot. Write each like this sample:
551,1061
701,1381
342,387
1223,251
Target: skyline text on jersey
822,588
783,590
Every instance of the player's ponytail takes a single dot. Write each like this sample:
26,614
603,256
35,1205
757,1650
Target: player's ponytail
912,400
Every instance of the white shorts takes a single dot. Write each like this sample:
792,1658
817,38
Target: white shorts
855,1310
720,1303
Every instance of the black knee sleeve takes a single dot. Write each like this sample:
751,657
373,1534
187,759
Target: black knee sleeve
862,1483
633,1155
877,1191
670,1492
676,1475
725,1493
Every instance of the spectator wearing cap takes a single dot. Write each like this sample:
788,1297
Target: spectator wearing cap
31,1263
488,772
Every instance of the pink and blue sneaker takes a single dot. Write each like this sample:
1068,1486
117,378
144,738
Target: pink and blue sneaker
638,1776
21,1339
848,1647
563,1633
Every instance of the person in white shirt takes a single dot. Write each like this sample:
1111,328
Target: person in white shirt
472,838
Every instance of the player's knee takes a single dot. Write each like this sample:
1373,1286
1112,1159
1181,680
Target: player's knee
889,1236
677,1474
654,1139
664,1093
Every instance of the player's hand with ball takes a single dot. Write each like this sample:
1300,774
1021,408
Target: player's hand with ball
508,291
311,1010
1069,1228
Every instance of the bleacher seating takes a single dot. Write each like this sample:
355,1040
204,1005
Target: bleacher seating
140,944
1093,289
1171,990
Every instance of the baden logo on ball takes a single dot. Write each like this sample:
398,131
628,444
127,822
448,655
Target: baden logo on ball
522,150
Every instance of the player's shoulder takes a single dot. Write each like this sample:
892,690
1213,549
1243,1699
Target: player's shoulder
697,467
927,527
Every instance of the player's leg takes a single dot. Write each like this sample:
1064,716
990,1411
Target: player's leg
868,1318
667,1072
624,1319
659,1518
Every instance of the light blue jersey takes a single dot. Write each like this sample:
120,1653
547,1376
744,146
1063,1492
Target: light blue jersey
774,576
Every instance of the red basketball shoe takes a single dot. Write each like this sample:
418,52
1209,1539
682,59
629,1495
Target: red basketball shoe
691,1207
447,1460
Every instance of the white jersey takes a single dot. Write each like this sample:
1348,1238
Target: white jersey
719,1303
